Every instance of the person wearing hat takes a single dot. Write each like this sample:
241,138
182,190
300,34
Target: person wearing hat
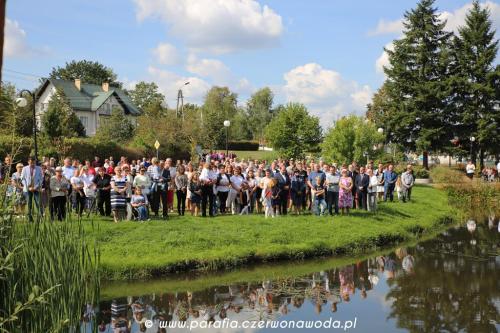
58,189
32,179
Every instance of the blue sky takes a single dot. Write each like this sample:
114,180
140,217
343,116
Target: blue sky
326,54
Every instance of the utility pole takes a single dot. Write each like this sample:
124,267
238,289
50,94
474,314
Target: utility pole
2,34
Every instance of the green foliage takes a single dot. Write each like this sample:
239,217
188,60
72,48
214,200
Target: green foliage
87,148
47,273
87,71
59,120
177,138
116,128
259,111
441,89
145,94
241,127
418,171
474,197
293,131
417,84
17,147
220,104
13,118
476,82
244,145
349,139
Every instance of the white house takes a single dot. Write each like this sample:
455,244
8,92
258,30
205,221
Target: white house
90,102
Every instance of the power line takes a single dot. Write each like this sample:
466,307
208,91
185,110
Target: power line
23,73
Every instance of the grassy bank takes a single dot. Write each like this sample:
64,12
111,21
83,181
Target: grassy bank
130,250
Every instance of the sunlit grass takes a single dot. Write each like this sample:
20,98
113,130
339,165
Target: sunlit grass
138,250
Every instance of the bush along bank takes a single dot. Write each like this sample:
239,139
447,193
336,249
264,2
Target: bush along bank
473,198
134,251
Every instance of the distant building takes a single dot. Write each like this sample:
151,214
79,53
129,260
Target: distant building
91,102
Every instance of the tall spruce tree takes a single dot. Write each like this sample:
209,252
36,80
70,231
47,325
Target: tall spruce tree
476,82
417,83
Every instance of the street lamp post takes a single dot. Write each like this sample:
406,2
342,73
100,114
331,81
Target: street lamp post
22,102
472,139
180,101
227,123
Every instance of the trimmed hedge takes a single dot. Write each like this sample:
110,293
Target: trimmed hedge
87,148
82,149
242,145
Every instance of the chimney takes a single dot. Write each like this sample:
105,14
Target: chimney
105,86
78,84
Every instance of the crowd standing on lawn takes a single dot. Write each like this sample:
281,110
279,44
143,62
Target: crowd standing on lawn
217,185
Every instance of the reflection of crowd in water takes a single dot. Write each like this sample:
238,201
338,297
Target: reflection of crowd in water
326,291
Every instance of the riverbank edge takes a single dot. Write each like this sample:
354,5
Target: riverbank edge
356,246
111,289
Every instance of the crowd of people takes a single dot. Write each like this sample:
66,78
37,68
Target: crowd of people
217,185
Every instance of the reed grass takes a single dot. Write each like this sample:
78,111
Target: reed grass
49,272
473,198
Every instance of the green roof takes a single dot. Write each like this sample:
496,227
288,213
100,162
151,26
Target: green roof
90,96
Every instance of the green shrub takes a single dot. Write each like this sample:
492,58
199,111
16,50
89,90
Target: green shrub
18,148
87,148
242,145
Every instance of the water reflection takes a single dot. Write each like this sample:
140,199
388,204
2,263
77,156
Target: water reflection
445,284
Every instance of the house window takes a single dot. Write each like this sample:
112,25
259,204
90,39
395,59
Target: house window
85,122
106,110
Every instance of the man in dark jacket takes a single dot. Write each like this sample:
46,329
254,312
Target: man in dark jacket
284,185
390,182
361,183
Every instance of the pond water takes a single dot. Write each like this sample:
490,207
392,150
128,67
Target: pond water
450,283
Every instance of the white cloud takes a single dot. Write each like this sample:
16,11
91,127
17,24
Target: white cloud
170,82
210,68
383,60
166,54
15,40
325,92
387,27
216,26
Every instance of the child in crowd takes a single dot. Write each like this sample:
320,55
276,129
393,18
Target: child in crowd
195,189
266,184
319,197
139,202
399,188
244,199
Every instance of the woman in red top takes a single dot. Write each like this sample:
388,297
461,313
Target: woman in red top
111,168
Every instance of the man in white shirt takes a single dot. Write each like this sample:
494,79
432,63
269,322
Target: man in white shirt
208,178
68,169
32,179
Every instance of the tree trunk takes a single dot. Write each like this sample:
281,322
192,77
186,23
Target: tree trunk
2,34
425,160
481,159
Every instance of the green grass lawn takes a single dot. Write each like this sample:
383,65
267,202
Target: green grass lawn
141,250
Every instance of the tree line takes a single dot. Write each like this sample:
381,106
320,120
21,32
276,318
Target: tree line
442,90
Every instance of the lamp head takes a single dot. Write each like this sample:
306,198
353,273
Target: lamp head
21,101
